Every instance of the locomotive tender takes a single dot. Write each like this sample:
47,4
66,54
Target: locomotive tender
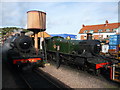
84,54
21,52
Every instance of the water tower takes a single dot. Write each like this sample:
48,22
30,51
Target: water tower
36,22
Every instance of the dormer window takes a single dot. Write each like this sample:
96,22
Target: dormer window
85,31
108,35
100,30
85,37
107,30
115,29
91,31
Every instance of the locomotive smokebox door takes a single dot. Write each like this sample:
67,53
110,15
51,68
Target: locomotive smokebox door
22,33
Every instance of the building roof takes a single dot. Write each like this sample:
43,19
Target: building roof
42,34
65,35
105,26
29,33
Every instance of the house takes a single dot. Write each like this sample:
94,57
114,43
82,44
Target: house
100,31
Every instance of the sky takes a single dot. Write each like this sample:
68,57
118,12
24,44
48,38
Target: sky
62,17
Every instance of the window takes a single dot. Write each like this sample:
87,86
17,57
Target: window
100,36
91,31
107,30
85,31
108,35
115,29
85,37
100,30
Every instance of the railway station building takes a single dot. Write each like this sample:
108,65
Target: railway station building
100,31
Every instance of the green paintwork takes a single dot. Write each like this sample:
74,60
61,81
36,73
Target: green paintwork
66,46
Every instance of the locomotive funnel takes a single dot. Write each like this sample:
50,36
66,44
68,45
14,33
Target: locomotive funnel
89,36
22,33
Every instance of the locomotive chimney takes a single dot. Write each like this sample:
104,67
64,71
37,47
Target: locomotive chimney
89,36
22,33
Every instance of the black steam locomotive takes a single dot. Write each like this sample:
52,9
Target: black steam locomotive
21,52
84,54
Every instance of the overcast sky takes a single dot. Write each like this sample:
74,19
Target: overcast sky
62,17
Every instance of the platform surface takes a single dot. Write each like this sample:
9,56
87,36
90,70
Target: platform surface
77,78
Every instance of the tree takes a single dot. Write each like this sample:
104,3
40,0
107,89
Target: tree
8,30
25,30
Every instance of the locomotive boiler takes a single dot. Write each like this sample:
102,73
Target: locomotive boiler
21,52
81,53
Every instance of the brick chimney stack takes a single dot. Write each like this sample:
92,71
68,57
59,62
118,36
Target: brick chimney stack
83,25
106,22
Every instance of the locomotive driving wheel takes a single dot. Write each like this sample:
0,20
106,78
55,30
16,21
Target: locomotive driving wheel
85,68
49,56
53,57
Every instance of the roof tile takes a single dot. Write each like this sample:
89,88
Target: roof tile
100,26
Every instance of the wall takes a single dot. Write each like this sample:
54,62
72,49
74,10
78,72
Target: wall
96,35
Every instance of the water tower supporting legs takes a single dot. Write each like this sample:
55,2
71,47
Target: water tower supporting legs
36,41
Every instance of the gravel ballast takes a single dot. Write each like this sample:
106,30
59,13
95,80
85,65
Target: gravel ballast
76,78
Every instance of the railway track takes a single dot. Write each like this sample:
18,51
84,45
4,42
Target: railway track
38,79
35,79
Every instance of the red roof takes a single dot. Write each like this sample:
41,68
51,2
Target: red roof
110,26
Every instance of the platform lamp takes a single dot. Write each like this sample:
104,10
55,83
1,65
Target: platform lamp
36,22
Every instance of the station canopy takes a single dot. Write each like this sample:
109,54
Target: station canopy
65,35
42,34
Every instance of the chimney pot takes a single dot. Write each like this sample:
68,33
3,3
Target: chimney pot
106,22
83,25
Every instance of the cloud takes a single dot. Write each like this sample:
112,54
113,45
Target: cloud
119,11
62,17
72,16
0,14
59,0
14,14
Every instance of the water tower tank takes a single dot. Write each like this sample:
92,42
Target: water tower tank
36,21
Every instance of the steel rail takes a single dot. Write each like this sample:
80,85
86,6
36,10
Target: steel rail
27,83
35,78
45,78
51,79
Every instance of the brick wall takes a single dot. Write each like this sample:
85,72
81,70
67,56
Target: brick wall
84,37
